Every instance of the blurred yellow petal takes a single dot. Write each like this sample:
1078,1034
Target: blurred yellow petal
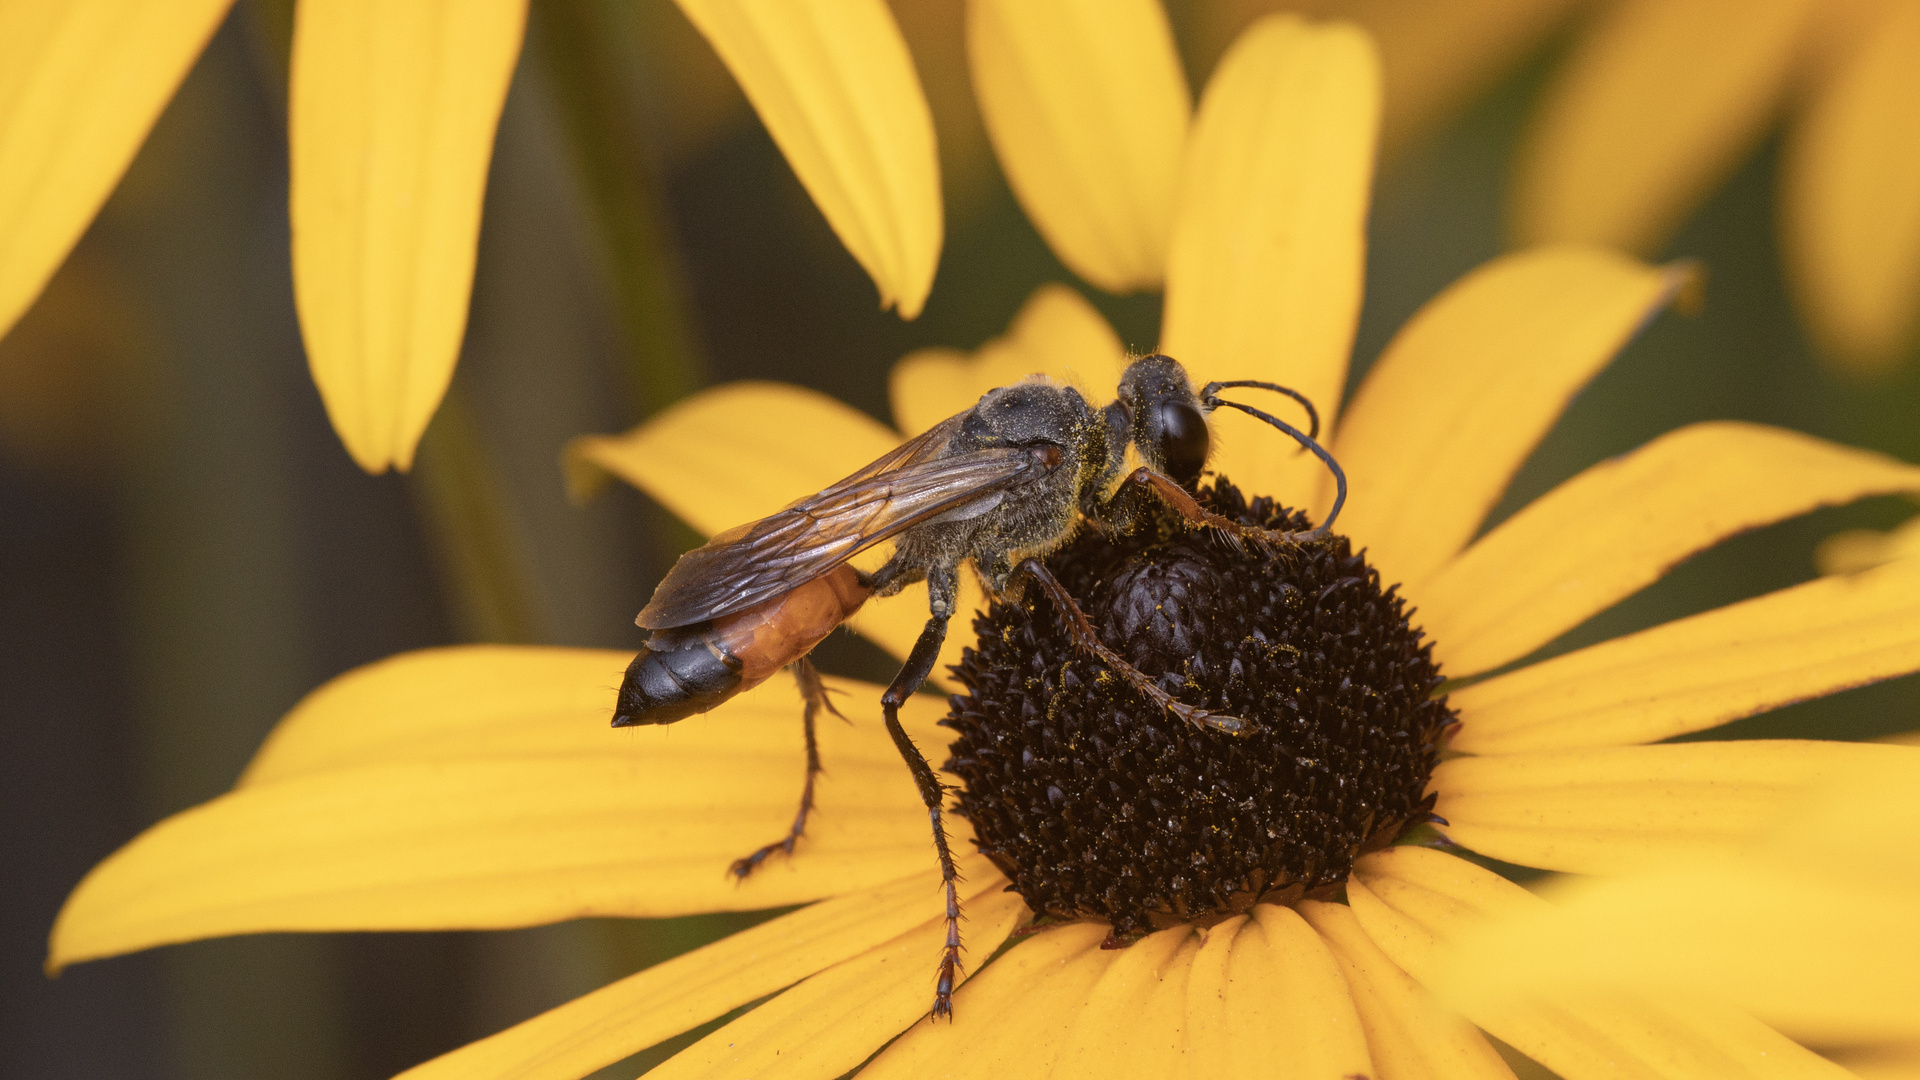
1855,550
392,115
1695,673
1614,809
644,827
1087,108
1269,238
1851,200
81,83
1056,333
1409,1035
828,1025
1134,1021
1618,526
1414,901
1013,1019
1658,104
677,995
1283,1009
1470,385
833,83
1812,927
1827,961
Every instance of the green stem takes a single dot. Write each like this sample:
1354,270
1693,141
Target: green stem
588,46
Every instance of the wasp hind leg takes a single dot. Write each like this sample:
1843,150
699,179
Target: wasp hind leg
1084,636
942,588
814,693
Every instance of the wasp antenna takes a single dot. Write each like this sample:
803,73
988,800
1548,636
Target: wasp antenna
1313,415
1305,440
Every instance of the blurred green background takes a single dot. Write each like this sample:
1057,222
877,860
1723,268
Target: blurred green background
185,549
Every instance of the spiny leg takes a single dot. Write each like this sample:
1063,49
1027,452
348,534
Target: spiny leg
814,693
941,589
1084,636
1184,504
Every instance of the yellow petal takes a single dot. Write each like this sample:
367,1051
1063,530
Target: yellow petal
833,83
1830,962
829,1024
392,114
81,83
1851,219
1609,810
1057,333
742,451
1269,238
1013,1019
644,827
1618,526
1134,1021
1283,1009
1659,103
679,994
1468,387
1855,550
1409,1035
1691,674
1087,108
1414,901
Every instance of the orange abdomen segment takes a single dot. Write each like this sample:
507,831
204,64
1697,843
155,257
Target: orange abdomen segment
772,635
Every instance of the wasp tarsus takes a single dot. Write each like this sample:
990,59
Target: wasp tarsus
998,486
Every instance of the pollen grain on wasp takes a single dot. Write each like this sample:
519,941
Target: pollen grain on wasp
1100,805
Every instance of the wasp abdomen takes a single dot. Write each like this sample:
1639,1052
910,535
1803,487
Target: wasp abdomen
686,671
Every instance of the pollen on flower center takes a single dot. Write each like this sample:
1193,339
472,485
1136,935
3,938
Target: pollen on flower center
1097,804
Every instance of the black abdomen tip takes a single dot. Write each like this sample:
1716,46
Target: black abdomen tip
662,687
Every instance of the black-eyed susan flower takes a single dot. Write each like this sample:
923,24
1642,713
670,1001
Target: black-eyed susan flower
480,787
392,111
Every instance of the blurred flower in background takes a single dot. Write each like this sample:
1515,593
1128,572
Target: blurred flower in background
392,115
480,788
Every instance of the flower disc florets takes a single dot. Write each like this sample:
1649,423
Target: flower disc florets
1098,804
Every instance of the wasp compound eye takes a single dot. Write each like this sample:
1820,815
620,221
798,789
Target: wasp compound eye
1097,804
1183,441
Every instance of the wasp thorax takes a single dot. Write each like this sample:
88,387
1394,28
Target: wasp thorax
1099,805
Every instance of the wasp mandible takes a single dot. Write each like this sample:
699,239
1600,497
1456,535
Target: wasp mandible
998,486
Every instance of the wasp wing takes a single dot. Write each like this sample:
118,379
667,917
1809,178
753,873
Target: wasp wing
758,561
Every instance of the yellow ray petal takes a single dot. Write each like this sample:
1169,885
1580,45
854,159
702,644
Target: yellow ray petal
1011,1021
1694,673
1283,1009
1265,268
1414,901
833,83
835,1020
1468,387
1855,550
1056,333
674,996
1410,1036
1851,215
1660,101
1618,526
1134,1021
1087,108
645,827
392,114
1613,809
81,83
1830,962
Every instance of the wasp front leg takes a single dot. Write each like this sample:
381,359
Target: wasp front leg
814,693
1184,504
